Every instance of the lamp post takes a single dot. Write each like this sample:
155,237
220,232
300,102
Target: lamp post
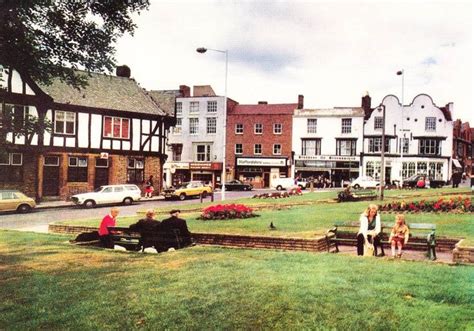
223,177
382,156
401,73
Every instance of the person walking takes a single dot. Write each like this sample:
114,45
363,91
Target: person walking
149,187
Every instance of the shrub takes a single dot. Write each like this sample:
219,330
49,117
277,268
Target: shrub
222,212
459,204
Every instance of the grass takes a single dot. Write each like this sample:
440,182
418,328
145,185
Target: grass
49,284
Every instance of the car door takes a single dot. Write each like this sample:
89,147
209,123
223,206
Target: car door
106,195
119,194
8,201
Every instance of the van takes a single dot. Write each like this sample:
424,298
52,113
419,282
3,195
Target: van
283,183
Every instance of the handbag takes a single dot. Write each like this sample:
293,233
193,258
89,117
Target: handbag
368,250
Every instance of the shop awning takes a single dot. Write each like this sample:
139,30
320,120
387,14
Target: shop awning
456,164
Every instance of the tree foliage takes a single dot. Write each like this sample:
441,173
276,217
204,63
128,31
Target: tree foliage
44,39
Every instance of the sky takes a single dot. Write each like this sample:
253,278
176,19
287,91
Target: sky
332,52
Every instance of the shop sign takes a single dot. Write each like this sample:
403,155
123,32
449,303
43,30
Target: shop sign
327,157
261,162
205,166
176,165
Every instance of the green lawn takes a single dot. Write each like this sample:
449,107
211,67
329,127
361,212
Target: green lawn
45,283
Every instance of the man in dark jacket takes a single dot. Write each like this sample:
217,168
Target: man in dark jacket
174,222
146,227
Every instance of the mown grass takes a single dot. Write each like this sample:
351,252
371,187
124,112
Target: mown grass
48,284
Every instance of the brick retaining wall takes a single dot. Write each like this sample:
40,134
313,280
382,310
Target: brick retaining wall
463,254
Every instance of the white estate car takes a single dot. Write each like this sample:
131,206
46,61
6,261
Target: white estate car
365,182
283,183
106,194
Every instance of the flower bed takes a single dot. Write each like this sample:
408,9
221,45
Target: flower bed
459,205
223,212
278,195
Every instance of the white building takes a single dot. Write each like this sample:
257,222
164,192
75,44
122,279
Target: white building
328,142
426,130
195,144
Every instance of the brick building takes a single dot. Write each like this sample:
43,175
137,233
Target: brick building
258,142
110,132
462,147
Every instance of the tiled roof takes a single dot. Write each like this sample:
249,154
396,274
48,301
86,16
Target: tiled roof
106,92
166,99
264,109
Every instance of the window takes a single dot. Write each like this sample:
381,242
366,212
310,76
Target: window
311,125
135,170
178,126
212,106
194,107
11,167
101,163
203,153
179,109
439,171
211,125
405,142
346,147
432,170
460,149
429,147
310,146
277,128
277,149
77,170
257,149
64,122
177,151
116,127
193,125
14,116
372,169
375,145
239,128
421,168
51,161
430,124
411,169
346,125
258,128
378,122
239,149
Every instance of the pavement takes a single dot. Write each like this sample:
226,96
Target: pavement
64,204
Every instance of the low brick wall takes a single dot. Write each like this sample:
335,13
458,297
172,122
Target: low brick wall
463,254
294,244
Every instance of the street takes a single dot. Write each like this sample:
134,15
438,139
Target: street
39,219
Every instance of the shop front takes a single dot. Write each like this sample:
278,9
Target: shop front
261,171
176,173
338,169
207,172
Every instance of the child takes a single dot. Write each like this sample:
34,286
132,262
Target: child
399,235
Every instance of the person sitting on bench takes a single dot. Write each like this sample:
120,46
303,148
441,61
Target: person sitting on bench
145,226
104,235
174,222
369,230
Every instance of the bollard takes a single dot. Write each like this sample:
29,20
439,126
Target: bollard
212,196
200,197
311,186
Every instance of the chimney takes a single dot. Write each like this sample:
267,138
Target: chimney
123,71
300,101
185,91
263,102
366,103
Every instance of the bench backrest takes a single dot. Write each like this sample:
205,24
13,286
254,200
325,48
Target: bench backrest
419,227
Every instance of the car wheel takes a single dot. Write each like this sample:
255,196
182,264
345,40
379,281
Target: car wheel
89,203
127,201
357,186
182,196
279,188
24,208
204,194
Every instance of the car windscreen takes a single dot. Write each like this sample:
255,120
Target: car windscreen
99,189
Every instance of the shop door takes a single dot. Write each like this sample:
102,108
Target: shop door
101,172
266,179
51,176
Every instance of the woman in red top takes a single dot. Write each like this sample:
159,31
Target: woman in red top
421,183
104,235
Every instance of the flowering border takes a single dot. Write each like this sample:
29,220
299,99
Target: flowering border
457,205
223,212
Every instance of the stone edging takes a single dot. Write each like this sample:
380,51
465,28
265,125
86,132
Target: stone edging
463,254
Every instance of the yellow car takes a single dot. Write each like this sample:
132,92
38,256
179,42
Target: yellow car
15,200
190,189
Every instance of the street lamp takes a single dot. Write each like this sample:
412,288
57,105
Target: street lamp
401,73
223,177
382,155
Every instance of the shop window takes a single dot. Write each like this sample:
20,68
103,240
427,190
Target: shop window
404,170
421,168
372,169
77,169
310,147
346,147
432,170
11,167
135,170
411,169
116,127
439,171
311,125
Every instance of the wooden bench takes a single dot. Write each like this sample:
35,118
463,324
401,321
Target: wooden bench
356,195
421,235
134,241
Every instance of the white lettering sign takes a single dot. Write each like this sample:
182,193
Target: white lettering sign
261,162
327,157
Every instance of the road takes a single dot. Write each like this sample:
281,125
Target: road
39,219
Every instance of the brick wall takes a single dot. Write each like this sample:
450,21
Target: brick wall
28,184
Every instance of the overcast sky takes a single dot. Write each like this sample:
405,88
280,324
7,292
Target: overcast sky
332,52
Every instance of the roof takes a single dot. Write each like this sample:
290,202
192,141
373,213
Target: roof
106,92
332,112
264,109
166,99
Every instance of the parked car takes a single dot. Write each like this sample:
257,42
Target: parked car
188,189
410,182
365,182
236,185
14,200
283,183
303,183
108,194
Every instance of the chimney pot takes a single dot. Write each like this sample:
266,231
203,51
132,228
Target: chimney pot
185,91
123,71
300,101
263,102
